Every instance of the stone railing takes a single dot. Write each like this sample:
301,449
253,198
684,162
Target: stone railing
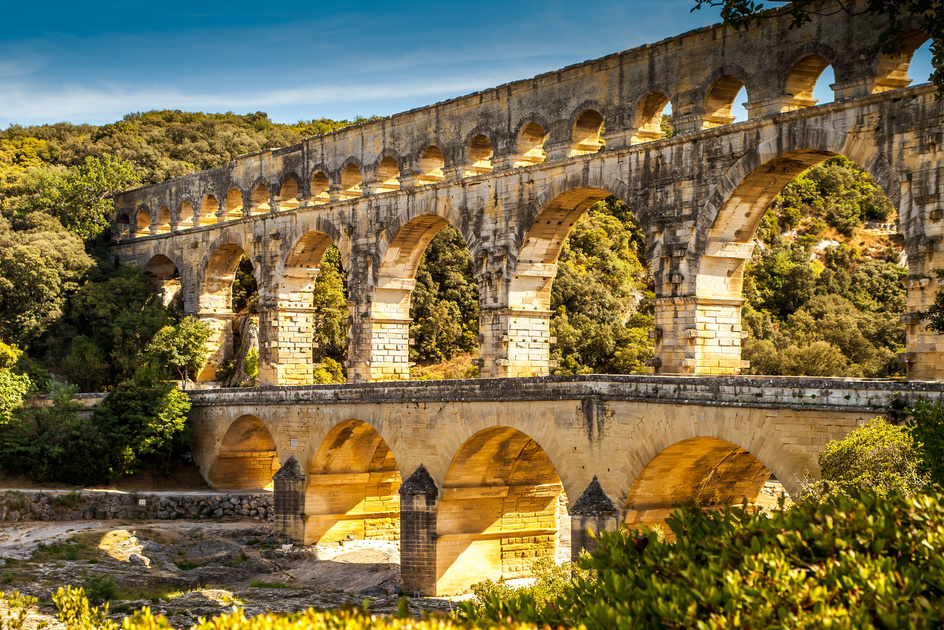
45,505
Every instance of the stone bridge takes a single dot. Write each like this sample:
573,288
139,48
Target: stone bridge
513,167
500,472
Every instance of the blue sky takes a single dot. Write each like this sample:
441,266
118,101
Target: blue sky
94,62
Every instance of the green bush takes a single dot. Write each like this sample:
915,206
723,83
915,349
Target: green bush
851,562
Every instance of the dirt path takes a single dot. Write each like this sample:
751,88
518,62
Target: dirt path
191,569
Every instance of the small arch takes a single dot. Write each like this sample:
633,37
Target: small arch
353,487
586,132
208,210
247,459
288,194
921,66
430,166
163,220
185,215
720,102
802,80
142,223
530,145
479,156
351,180
388,175
704,471
891,71
123,225
259,204
319,188
648,117
501,494
232,206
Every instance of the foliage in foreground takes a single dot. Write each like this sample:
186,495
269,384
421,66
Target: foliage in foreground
862,561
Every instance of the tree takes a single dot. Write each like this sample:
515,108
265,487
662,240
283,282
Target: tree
181,347
80,197
927,428
742,13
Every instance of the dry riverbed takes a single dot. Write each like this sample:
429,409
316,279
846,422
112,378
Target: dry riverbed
192,569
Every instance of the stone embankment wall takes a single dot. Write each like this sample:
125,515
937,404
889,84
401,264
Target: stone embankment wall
75,506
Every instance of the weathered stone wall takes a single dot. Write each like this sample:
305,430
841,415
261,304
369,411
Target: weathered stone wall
76,506
514,167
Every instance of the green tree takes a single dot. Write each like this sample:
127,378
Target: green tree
330,317
80,197
181,347
927,429
85,365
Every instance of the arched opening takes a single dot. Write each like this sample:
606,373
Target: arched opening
350,182
143,223
576,312
353,487
288,194
163,220
425,304
724,103
185,215
320,186
651,120
232,206
388,175
479,156
218,297
531,145
704,471
430,166
208,210
809,242
921,65
247,458
259,204
806,83
586,134
166,279
892,71
123,224
502,507
312,313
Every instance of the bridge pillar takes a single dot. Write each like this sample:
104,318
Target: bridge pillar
286,330
514,342
592,513
698,335
289,498
924,354
379,348
419,501
220,342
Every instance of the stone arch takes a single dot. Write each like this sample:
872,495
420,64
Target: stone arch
123,225
185,213
260,198
288,192
218,270
167,276
352,487
142,223
163,220
430,165
479,151
351,180
410,232
232,206
209,208
720,91
706,471
891,72
647,116
500,510
801,78
388,171
294,240
319,187
247,457
586,128
545,226
529,140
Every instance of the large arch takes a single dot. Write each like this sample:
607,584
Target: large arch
502,508
247,459
706,471
287,313
352,487
167,282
